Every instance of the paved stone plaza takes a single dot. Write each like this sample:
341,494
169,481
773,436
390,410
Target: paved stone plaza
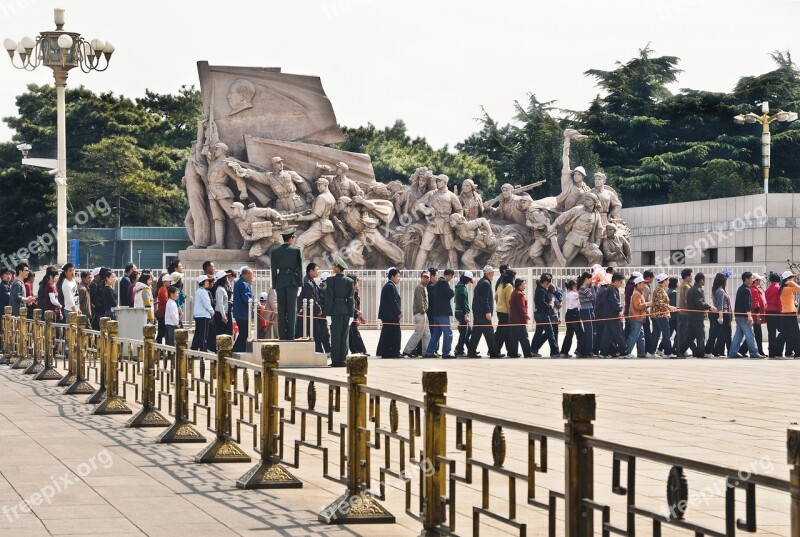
730,412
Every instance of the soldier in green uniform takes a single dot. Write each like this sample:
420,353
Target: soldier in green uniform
287,269
339,310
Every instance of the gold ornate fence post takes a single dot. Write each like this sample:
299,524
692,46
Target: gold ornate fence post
72,349
793,456
36,335
356,506
434,383
22,329
102,352
224,449
579,411
6,355
269,474
48,372
113,403
80,385
148,416
182,430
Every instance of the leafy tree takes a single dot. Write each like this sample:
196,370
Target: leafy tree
395,156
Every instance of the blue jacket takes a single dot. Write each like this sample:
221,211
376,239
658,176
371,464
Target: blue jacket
242,295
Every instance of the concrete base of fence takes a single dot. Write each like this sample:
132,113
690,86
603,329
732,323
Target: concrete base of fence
297,353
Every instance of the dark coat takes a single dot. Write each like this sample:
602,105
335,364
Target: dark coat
339,297
389,310
286,264
696,304
483,299
441,297
310,291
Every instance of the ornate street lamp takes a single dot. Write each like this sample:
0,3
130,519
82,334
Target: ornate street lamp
765,119
60,51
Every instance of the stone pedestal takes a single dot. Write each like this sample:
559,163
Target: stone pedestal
293,354
224,259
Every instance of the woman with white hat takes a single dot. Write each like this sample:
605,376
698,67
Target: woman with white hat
789,335
202,313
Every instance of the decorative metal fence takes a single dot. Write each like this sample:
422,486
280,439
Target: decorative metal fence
450,466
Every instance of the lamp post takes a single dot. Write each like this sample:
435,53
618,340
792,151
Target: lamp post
765,119
60,51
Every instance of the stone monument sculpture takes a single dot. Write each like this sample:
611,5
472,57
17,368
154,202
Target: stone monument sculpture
260,162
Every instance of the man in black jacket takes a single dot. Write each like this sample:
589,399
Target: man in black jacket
542,314
696,306
390,314
743,315
431,283
441,298
124,283
610,309
315,325
482,309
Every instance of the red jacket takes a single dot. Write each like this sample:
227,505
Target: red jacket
758,304
518,308
773,295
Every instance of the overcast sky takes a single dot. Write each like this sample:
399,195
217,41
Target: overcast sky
432,63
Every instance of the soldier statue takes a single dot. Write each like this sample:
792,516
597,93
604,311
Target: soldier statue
582,224
321,229
477,233
573,186
437,206
470,200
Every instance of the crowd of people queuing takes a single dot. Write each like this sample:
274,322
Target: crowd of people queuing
223,299
607,314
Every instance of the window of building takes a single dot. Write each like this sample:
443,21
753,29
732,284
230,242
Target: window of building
677,257
648,258
709,256
744,254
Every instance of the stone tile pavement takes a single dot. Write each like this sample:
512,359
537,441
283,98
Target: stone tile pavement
117,481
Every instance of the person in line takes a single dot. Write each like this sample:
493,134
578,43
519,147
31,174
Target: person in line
242,299
696,307
682,328
223,324
637,310
789,334
660,311
30,279
390,314
629,286
162,296
176,279
124,284
17,293
355,340
572,320
434,272
313,324
543,309
143,295
5,291
172,316
772,297
134,277
442,303
324,329
609,308
272,311
462,311
650,347
84,300
759,308
672,295
262,316
482,310
48,295
743,317
502,296
419,310
518,319
67,289
719,333
202,313
586,300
